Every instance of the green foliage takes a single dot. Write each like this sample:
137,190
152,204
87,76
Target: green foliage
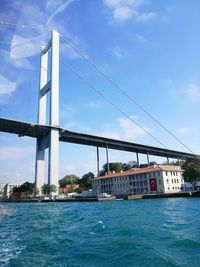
69,179
130,165
113,166
191,170
85,182
47,189
27,188
143,165
151,163
119,166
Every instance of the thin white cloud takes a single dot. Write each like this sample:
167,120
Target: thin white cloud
184,130
77,126
126,130
193,91
15,153
58,7
67,111
83,167
93,105
141,39
123,13
124,10
109,133
129,130
38,15
6,87
145,16
119,53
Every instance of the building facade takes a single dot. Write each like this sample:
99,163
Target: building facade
6,189
153,179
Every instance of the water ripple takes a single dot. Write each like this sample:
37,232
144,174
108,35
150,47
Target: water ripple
147,233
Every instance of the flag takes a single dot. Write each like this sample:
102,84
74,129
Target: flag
153,184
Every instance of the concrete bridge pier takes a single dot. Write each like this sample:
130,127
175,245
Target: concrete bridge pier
51,140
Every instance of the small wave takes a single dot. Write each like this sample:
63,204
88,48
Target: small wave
100,225
186,243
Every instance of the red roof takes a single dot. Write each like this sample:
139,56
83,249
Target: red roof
142,170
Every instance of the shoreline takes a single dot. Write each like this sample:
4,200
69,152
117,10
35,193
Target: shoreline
190,194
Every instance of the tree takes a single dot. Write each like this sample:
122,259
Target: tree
113,166
130,165
47,189
152,163
26,188
69,180
86,181
143,165
191,169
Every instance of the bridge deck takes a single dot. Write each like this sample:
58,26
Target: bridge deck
38,131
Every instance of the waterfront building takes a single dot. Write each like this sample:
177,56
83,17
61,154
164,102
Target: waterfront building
68,188
152,179
6,189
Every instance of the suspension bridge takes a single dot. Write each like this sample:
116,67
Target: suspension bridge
49,136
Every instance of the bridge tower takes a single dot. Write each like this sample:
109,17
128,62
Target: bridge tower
51,140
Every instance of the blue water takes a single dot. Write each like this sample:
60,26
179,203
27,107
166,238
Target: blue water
160,232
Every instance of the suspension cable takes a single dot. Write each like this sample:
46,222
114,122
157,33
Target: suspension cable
109,101
98,70
20,44
2,23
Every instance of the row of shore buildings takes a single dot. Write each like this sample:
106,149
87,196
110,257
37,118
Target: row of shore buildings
7,189
152,179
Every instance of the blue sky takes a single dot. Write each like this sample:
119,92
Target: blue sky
150,48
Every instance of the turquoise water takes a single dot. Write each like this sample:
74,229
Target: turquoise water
160,232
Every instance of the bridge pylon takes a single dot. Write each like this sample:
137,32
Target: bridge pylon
50,141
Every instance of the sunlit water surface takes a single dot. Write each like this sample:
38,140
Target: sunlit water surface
161,232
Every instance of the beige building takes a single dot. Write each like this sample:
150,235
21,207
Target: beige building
157,178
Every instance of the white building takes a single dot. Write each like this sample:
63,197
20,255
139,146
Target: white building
157,178
6,189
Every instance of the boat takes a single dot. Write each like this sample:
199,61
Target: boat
106,197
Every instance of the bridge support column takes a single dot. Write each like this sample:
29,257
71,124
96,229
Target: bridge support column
50,141
148,159
108,167
138,163
40,153
39,167
54,112
98,171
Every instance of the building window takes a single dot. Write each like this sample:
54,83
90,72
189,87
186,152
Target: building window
172,181
159,181
166,173
167,180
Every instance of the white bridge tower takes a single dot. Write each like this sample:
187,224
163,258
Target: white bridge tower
51,140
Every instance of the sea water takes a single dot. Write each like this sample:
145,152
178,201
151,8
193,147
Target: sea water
160,232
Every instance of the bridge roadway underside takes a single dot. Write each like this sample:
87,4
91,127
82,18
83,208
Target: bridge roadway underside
39,131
